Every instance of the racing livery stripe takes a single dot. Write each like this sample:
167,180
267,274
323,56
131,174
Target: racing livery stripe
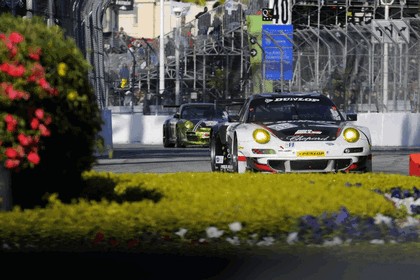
241,158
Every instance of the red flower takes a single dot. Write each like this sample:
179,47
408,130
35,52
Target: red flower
11,163
44,130
35,54
11,153
17,71
113,242
132,243
48,120
16,37
14,94
24,140
34,123
9,118
43,83
33,158
99,237
12,70
37,72
39,113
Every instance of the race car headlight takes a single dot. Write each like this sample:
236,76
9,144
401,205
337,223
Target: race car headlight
261,136
351,135
188,125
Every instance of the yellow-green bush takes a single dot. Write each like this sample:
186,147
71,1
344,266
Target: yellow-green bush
265,204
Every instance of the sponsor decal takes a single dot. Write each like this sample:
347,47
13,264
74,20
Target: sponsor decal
307,131
281,126
290,145
311,153
307,138
294,99
219,159
210,123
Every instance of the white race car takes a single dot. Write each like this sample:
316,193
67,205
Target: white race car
290,132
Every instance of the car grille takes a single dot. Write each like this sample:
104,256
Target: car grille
309,165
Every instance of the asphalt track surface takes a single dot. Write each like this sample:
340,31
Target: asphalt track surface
133,158
265,264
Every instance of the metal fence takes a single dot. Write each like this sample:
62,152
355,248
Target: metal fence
364,66
360,66
360,70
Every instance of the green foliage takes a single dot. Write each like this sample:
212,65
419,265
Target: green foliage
162,204
76,118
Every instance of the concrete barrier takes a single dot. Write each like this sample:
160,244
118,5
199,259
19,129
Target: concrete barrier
414,165
387,129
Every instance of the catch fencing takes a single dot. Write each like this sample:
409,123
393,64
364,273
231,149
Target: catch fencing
363,68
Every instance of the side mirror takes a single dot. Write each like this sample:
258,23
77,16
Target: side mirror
176,116
233,118
351,116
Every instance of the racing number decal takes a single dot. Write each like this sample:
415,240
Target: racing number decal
281,12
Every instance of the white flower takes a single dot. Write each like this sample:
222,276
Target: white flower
377,241
379,219
410,222
6,246
292,238
213,232
202,240
267,241
181,232
236,226
336,241
233,241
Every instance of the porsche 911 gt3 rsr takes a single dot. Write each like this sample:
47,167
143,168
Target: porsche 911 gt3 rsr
290,132
192,124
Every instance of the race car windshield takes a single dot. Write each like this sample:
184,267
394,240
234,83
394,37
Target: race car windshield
281,109
202,112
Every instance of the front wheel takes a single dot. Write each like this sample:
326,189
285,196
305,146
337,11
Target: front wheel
166,142
179,143
215,150
238,166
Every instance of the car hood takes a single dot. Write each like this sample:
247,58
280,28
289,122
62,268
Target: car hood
206,122
305,130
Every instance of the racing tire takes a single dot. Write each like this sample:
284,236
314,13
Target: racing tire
215,150
166,142
237,166
179,143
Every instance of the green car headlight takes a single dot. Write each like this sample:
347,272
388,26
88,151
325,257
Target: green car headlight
188,125
351,135
261,136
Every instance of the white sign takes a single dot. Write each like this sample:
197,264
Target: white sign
282,11
390,31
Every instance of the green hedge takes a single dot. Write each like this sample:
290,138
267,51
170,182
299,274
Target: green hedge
120,210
